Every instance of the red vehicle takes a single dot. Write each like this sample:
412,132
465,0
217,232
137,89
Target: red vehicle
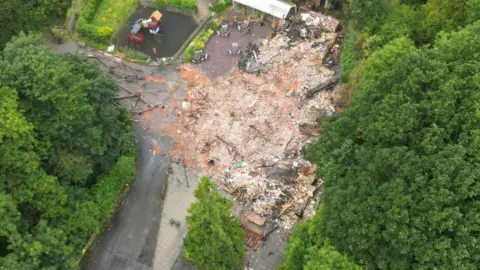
136,38
152,24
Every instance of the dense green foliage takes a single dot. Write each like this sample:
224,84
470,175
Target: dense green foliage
99,19
221,6
400,164
132,54
214,239
187,5
198,43
308,249
89,30
21,15
60,132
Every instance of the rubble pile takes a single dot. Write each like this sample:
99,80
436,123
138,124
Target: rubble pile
248,129
299,34
324,22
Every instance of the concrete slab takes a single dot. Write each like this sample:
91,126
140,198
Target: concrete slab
178,199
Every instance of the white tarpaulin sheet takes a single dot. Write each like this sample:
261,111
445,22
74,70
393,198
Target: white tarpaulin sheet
275,8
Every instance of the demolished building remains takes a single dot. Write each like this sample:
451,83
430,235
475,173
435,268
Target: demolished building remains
248,129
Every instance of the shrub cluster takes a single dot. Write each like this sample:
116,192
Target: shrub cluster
197,44
100,34
181,4
221,6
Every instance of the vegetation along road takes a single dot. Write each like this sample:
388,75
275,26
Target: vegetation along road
399,157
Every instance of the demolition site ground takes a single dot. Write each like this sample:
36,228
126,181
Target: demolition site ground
245,120
246,129
242,120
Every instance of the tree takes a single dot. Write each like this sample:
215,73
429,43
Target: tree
214,239
66,152
473,10
326,258
32,15
442,15
369,14
11,17
401,165
308,248
80,131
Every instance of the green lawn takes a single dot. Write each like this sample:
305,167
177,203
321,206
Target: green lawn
114,13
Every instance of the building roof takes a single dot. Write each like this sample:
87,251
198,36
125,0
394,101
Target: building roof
275,8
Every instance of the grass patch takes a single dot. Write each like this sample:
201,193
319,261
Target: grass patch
187,5
133,54
99,18
113,13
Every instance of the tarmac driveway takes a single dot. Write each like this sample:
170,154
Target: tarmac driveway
131,240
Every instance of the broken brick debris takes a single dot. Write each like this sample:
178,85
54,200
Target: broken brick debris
255,218
253,126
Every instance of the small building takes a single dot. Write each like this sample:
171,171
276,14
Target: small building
273,10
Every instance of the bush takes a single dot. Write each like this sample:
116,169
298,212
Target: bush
103,33
221,6
348,60
86,29
88,12
109,187
181,4
188,54
89,30
206,36
197,44
309,249
215,24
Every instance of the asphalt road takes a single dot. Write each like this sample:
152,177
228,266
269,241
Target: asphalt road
131,240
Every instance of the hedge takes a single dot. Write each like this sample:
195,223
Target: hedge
88,30
197,44
91,215
181,4
109,186
221,6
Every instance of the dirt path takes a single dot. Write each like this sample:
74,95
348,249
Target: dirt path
202,9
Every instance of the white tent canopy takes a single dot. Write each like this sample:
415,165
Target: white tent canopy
275,8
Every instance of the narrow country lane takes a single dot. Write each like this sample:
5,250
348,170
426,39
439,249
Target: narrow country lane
131,240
